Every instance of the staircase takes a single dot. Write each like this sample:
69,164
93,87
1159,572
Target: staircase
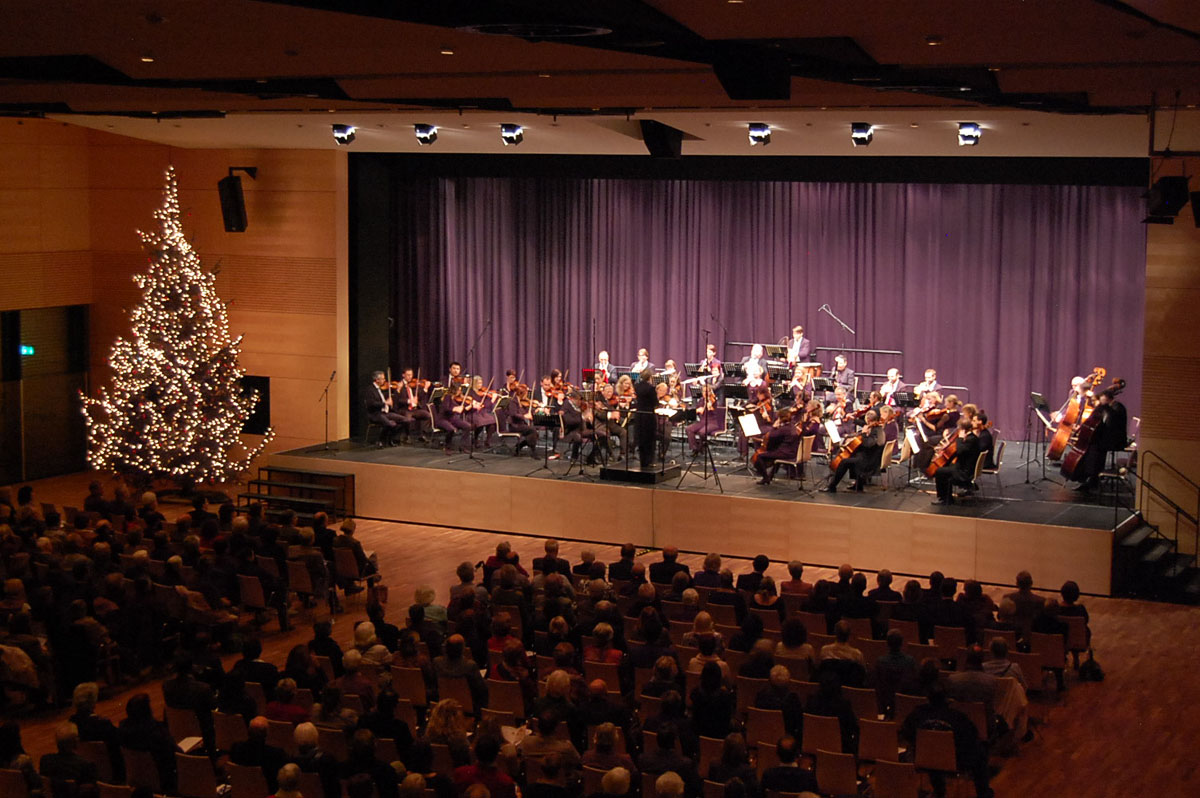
1157,560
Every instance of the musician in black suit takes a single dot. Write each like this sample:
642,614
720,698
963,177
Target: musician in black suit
1111,435
843,375
799,347
782,443
865,460
380,404
644,402
962,470
411,400
979,424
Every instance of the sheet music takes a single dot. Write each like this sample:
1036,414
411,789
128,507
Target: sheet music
749,424
832,429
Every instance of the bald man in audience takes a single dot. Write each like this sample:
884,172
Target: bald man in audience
255,751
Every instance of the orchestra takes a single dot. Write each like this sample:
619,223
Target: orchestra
619,412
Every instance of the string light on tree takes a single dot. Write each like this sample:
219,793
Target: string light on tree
174,408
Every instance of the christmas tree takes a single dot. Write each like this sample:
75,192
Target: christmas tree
175,406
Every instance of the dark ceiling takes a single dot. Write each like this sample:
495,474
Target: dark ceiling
187,58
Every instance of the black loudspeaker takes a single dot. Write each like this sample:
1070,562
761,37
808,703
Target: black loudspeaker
1196,208
753,75
1167,196
260,419
233,204
662,141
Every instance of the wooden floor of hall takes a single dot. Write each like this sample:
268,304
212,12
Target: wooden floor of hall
1135,734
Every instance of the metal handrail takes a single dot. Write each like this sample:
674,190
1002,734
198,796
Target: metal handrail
1178,510
1156,459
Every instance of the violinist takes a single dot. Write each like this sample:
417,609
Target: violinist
642,363
711,364
676,395
452,418
810,424
608,417
962,470
841,412
546,403
935,425
576,429
625,392
865,460
520,419
709,419
481,412
413,395
604,369
763,408
456,375
843,375
510,382
780,442
669,369
662,417
755,376
891,428
801,386
381,409
891,386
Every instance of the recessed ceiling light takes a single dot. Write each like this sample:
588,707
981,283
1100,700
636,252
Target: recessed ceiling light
934,41
446,51
543,74
147,59
913,124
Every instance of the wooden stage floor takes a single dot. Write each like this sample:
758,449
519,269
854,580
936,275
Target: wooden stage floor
987,537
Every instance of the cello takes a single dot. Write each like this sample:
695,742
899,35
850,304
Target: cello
1082,441
848,447
944,455
1078,409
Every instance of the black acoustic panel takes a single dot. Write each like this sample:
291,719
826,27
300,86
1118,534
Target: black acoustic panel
662,141
1167,196
233,204
749,74
10,346
260,420
1196,208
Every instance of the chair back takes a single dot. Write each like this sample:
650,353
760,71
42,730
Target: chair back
649,785
949,639
106,790
979,466
409,684
977,712
815,623
251,592
935,751
798,667
506,697
311,786
768,616
713,789
141,770
514,618
608,671
345,563
268,565
12,782
747,690
885,457
896,779
764,727
910,630
459,689
498,717
710,751
97,753
256,692
860,627
591,780
821,733
385,750
904,705
1052,649
837,774
442,761
246,781
333,740
229,729
864,700
195,776
878,739
299,579
183,723
1077,639
281,734
650,706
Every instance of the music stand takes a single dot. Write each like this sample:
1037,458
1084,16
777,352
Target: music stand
1039,408
775,351
545,420
704,456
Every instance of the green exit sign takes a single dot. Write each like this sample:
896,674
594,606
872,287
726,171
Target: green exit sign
26,350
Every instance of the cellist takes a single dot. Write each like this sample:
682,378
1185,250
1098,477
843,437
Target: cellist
962,470
865,460
780,442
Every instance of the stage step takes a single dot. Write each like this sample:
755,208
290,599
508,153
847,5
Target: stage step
1157,553
636,476
1178,565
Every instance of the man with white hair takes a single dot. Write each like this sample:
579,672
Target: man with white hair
669,785
552,563
314,759
615,782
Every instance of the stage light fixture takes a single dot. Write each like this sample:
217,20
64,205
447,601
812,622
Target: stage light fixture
760,133
511,134
861,133
426,134
344,134
968,134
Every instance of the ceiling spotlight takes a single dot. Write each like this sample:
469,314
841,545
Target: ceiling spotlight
343,134
968,134
511,134
760,133
147,59
861,133
426,134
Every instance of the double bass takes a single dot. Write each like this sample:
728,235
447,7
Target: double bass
1081,441
1078,409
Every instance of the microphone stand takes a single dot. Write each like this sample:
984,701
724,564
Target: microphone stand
466,365
324,397
845,326
724,340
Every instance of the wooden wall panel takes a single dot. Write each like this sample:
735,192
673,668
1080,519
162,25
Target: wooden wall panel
45,279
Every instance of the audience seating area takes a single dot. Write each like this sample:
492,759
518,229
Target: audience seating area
569,679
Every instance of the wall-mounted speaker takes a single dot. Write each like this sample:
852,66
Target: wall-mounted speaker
1167,196
233,204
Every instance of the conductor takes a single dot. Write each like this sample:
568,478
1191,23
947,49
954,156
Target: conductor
645,400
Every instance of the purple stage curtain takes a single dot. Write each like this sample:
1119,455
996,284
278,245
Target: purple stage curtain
1005,289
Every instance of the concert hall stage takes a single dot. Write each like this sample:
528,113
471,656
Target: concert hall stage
1044,528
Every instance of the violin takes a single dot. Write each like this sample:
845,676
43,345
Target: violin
767,404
